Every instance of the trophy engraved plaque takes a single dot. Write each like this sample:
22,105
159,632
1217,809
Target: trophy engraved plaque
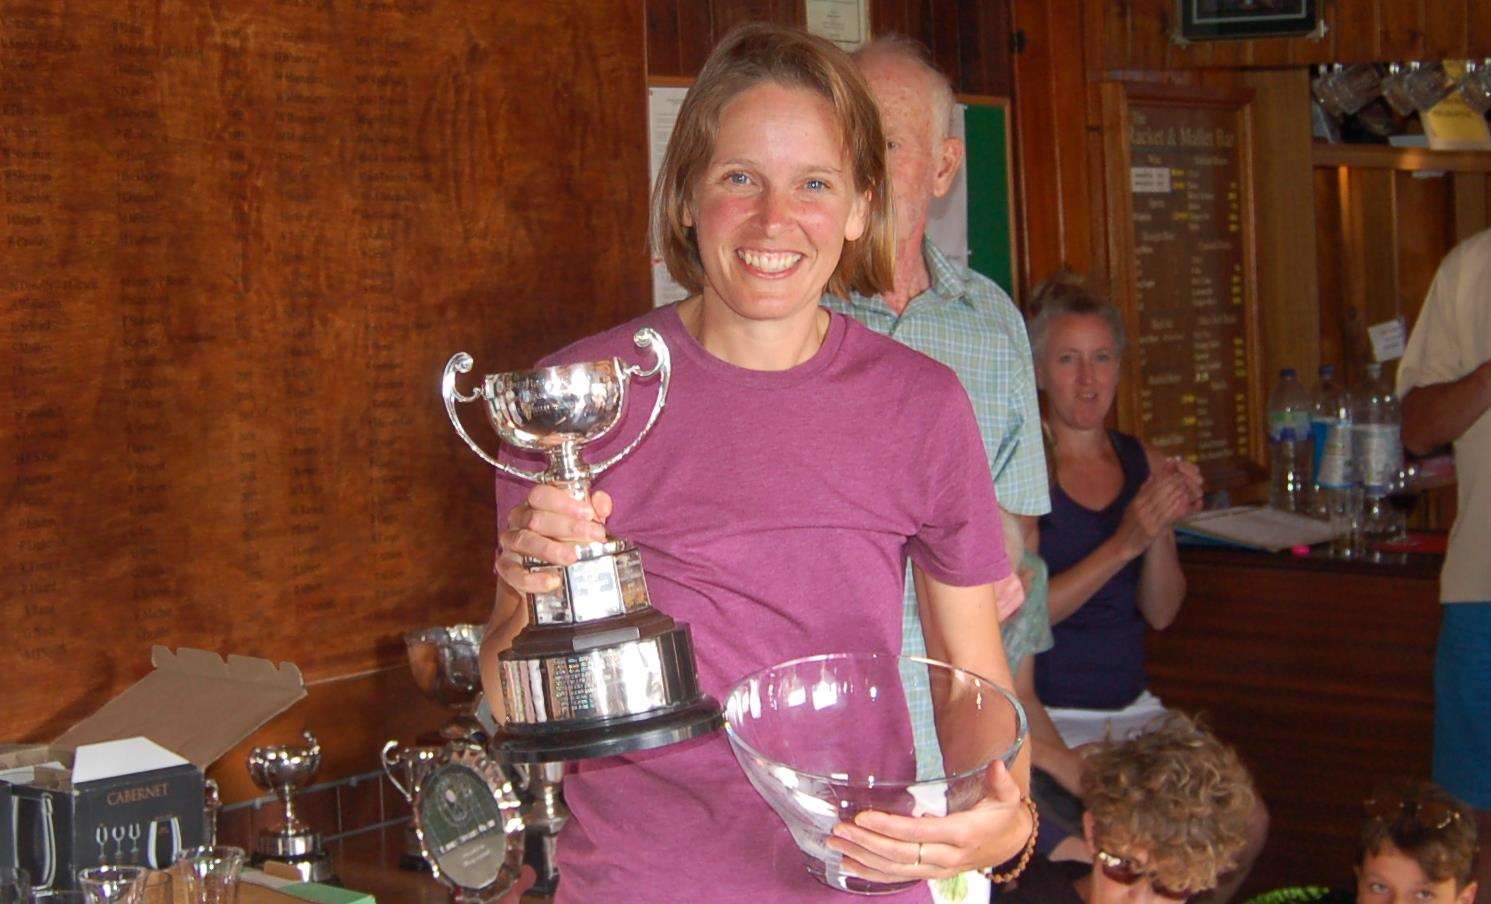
467,820
282,769
446,668
597,671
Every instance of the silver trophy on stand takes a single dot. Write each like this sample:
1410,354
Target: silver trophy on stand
405,767
282,769
446,668
597,671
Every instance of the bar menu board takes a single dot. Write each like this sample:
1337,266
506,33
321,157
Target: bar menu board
1183,256
239,241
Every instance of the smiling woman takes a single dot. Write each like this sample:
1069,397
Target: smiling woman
773,502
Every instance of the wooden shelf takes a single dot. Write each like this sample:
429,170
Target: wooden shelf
1380,156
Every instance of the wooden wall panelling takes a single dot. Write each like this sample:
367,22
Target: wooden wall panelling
681,33
1357,31
1371,276
1401,28
1478,28
1426,232
1105,35
262,231
664,43
1286,227
1272,655
1446,25
1052,142
1149,30
1329,266
984,48
1470,201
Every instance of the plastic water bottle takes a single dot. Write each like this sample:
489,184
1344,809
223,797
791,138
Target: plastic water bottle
1378,445
1332,466
1336,484
1289,411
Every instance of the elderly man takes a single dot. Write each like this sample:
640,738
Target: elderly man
962,319
1445,381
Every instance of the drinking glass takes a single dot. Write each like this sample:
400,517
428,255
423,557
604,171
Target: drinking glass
15,885
825,737
1417,87
112,884
1345,89
1476,88
209,875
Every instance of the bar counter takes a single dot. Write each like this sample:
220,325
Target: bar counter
1320,671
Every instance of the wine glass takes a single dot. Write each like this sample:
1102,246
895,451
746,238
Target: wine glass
112,884
1402,497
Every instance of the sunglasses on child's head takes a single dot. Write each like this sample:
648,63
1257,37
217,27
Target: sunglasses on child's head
1125,871
1424,815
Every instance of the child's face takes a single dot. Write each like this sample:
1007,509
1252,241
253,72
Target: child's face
1392,877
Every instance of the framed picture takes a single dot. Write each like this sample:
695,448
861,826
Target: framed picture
1211,20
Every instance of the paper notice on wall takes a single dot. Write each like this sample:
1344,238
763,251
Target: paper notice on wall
1388,339
1149,180
947,218
662,112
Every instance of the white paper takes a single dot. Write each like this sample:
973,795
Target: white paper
1149,180
947,218
1259,527
845,22
1388,338
662,113
125,756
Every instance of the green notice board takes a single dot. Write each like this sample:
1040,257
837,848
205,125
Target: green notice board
990,212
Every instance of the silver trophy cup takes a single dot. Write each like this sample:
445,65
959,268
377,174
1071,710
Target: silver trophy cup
597,671
405,766
282,769
445,664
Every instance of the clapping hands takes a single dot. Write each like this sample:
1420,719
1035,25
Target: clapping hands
1172,492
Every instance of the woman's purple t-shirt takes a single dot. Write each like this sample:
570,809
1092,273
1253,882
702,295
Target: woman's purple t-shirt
774,511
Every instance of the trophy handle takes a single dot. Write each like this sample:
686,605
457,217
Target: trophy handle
644,338
460,363
388,769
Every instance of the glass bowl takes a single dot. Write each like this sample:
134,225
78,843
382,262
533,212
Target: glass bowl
824,737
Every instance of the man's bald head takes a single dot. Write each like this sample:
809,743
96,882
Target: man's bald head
900,56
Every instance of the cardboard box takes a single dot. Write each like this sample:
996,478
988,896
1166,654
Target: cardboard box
125,784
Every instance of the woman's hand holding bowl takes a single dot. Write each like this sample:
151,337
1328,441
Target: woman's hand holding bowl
885,847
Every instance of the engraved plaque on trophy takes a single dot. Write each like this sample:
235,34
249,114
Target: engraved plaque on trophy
597,671
466,818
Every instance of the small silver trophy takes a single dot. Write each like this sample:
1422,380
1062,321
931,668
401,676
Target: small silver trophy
445,665
405,766
597,671
282,769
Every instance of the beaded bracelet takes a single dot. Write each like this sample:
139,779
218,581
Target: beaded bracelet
1022,860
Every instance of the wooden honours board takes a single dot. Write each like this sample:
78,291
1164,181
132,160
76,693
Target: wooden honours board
1182,250
238,242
